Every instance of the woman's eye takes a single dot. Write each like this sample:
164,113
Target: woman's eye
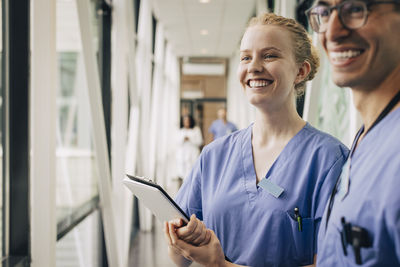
244,58
269,56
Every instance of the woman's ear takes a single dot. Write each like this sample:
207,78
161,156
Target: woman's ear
304,70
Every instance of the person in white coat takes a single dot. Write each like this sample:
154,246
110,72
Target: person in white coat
189,140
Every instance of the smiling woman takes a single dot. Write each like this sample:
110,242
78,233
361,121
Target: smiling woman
268,69
271,179
296,43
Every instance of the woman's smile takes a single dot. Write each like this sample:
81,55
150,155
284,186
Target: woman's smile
257,83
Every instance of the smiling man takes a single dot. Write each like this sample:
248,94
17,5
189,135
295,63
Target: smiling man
361,225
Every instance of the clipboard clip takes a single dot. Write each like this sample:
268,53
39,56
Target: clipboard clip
149,180
146,179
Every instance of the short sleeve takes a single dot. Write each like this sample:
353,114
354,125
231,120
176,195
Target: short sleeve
324,193
189,195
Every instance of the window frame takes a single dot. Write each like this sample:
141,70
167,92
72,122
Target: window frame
15,123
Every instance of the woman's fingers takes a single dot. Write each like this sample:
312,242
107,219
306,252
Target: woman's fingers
207,251
172,233
206,239
202,234
187,231
166,233
172,238
210,254
177,222
194,232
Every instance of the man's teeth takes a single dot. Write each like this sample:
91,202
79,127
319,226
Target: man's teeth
344,54
258,83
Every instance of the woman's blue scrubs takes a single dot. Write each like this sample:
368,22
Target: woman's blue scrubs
254,227
372,201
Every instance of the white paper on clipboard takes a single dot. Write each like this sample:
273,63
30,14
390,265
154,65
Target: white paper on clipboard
155,199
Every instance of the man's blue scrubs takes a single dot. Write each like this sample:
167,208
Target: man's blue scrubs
372,201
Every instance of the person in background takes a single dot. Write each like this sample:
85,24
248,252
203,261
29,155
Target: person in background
221,126
189,140
261,191
361,224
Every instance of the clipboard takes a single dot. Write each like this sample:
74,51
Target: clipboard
155,198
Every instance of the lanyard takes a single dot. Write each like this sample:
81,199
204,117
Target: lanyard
383,114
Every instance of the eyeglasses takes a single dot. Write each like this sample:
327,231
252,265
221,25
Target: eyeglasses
352,14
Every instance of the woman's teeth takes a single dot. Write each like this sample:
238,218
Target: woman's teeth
258,83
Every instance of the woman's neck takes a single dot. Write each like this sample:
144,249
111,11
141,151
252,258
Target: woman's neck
272,127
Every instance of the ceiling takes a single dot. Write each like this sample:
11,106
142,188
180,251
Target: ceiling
204,28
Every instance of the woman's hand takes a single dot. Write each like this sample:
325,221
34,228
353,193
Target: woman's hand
195,232
208,254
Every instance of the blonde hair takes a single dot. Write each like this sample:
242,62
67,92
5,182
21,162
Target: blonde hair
303,48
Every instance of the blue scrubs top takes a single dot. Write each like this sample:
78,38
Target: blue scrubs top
218,128
372,201
254,227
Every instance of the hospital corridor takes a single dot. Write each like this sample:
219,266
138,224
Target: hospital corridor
120,119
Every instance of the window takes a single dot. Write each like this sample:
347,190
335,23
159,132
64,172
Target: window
77,196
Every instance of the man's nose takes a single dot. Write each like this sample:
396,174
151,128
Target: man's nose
335,28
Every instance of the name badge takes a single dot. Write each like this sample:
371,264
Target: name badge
271,187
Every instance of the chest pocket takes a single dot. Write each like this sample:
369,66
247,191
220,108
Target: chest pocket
302,242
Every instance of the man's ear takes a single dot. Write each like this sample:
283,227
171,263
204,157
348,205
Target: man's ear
303,71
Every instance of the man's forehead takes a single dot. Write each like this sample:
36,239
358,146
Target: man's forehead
333,2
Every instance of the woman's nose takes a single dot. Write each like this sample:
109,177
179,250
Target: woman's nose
255,65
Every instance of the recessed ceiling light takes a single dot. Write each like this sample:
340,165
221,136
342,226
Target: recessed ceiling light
204,1
204,32
204,51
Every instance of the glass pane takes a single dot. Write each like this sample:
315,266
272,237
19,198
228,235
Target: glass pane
76,163
333,106
81,246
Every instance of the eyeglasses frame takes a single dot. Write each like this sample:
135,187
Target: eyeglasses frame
339,6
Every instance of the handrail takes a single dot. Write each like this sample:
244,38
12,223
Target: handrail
15,261
77,215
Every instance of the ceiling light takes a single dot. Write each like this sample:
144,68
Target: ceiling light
204,1
203,32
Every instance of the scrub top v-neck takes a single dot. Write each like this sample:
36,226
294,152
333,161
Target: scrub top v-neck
255,227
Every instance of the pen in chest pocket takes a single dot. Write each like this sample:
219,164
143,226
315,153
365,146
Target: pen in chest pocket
298,218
